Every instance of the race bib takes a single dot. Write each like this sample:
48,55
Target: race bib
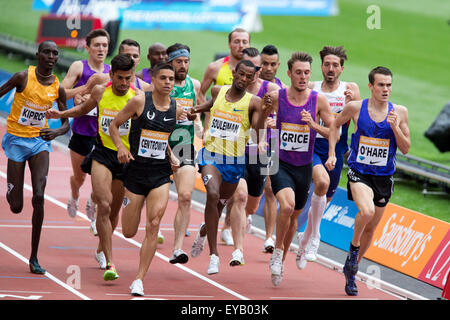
294,137
108,116
187,105
153,144
32,117
373,151
225,125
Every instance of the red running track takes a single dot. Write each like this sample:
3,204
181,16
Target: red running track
67,248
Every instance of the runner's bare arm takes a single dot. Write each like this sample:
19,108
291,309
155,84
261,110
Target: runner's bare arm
208,78
398,119
73,75
323,112
17,81
349,112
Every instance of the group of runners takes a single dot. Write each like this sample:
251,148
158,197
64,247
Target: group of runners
134,131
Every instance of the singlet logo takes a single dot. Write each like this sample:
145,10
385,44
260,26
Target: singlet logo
153,144
225,125
294,137
373,151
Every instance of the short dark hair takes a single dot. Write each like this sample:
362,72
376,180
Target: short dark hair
96,33
336,51
122,62
238,30
160,66
246,63
251,52
41,45
299,56
129,42
270,50
379,70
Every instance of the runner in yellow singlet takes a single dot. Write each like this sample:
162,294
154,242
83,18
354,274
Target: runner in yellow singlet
222,160
106,172
28,136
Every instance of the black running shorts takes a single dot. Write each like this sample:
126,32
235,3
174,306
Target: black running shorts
81,144
382,186
141,180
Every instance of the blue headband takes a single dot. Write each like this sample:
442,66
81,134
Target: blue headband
178,53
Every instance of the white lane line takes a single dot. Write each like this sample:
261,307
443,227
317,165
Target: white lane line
157,254
47,274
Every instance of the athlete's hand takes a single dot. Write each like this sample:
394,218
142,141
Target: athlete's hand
123,155
174,162
306,117
79,99
191,115
48,134
331,163
392,119
271,123
349,95
52,114
267,102
181,113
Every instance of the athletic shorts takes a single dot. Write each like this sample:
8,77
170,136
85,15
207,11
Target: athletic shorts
335,175
81,144
106,157
382,186
185,153
21,149
256,180
298,178
141,180
230,168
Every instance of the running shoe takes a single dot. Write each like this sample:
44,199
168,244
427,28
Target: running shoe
312,248
300,258
350,271
213,267
72,206
237,258
248,225
198,244
35,267
269,245
91,209
226,237
276,266
137,288
101,259
93,228
160,237
179,256
111,272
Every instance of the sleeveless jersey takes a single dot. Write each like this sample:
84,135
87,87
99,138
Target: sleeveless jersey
146,75
296,141
86,125
336,100
225,75
185,98
149,136
229,125
278,82
27,116
108,108
373,147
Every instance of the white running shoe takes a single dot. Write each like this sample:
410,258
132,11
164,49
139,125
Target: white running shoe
91,209
248,226
101,259
312,248
137,288
269,245
213,267
179,256
227,237
300,257
237,258
199,243
72,206
276,266
160,237
93,228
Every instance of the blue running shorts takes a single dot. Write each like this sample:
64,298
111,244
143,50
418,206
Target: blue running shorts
21,149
